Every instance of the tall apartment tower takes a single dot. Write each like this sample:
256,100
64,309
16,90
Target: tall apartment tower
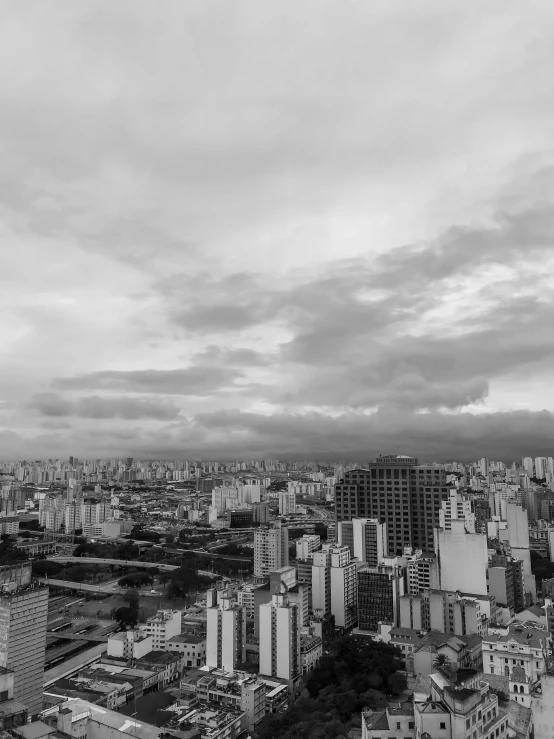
398,491
456,506
280,639
23,618
344,588
271,550
226,631
366,539
321,581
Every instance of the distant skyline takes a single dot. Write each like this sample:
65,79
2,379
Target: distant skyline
316,229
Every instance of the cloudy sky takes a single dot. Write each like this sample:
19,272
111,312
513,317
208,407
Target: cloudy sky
320,228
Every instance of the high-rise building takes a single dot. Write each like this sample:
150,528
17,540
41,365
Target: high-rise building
344,588
226,631
23,618
398,491
287,503
366,539
462,559
280,639
517,579
271,550
456,506
518,539
321,582
307,545
422,571
379,591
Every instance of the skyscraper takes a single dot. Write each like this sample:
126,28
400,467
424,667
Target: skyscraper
23,618
398,491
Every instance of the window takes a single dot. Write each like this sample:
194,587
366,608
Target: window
442,725
410,725
398,726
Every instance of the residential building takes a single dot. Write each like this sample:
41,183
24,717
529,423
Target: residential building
12,713
366,539
307,545
191,646
517,578
395,490
344,588
280,640
226,631
518,539
287,503
422,571
271,550
129,644
162,627
456,506
447,612
23,617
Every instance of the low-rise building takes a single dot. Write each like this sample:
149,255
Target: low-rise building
515,645
191,646
162,627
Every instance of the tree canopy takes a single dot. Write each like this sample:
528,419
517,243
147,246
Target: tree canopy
352,676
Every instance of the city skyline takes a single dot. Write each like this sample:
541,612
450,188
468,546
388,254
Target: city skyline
233,231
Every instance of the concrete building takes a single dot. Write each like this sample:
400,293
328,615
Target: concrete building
191,646
129,644
280,640
395,490
321,581
517,577
518,539
458,546
23,617
379,592
447,612
307,545
454,711
422,571
271,550
226,631
456,506
366,539
162,627
344,588
287,503
515,645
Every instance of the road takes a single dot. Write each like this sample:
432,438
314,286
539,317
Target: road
120,562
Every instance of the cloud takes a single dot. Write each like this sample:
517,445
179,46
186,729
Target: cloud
194,380
97,407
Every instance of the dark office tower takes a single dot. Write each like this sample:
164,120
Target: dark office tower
398,491
129,462
71,461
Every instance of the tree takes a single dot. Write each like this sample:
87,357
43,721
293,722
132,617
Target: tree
442,663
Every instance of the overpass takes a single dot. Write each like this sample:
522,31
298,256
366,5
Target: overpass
85,587
119,562
77,637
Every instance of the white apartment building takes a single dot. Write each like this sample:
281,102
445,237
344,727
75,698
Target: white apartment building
129,644
287,503
344,588
245,599
271,550
225,631
162,627
280,639
307,545
51,512
457,506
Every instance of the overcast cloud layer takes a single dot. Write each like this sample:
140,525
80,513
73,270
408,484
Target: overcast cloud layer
310,228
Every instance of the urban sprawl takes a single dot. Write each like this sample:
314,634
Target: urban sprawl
389,599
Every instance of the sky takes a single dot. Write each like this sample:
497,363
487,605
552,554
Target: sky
306,228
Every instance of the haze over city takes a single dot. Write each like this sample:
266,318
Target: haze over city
311,229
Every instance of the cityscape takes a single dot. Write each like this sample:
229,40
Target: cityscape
276,395
218,599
